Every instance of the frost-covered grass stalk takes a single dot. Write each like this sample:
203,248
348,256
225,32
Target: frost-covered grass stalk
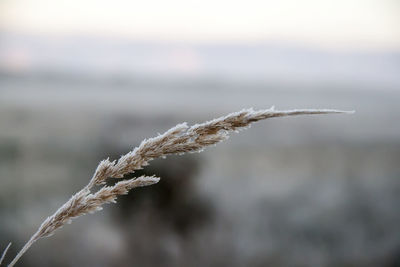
4,253
178,140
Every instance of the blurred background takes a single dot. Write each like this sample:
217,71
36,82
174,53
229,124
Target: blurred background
84,80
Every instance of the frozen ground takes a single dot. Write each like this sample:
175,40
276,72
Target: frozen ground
311,191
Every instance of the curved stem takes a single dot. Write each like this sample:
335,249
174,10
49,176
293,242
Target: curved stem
24,249
4,253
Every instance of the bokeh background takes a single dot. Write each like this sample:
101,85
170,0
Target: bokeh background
81,80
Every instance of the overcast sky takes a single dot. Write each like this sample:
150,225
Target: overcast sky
349,24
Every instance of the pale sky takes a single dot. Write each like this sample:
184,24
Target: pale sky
327,23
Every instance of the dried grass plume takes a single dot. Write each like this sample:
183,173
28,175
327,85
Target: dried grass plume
178,140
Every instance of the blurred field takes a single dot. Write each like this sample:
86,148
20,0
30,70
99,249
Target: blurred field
309,191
